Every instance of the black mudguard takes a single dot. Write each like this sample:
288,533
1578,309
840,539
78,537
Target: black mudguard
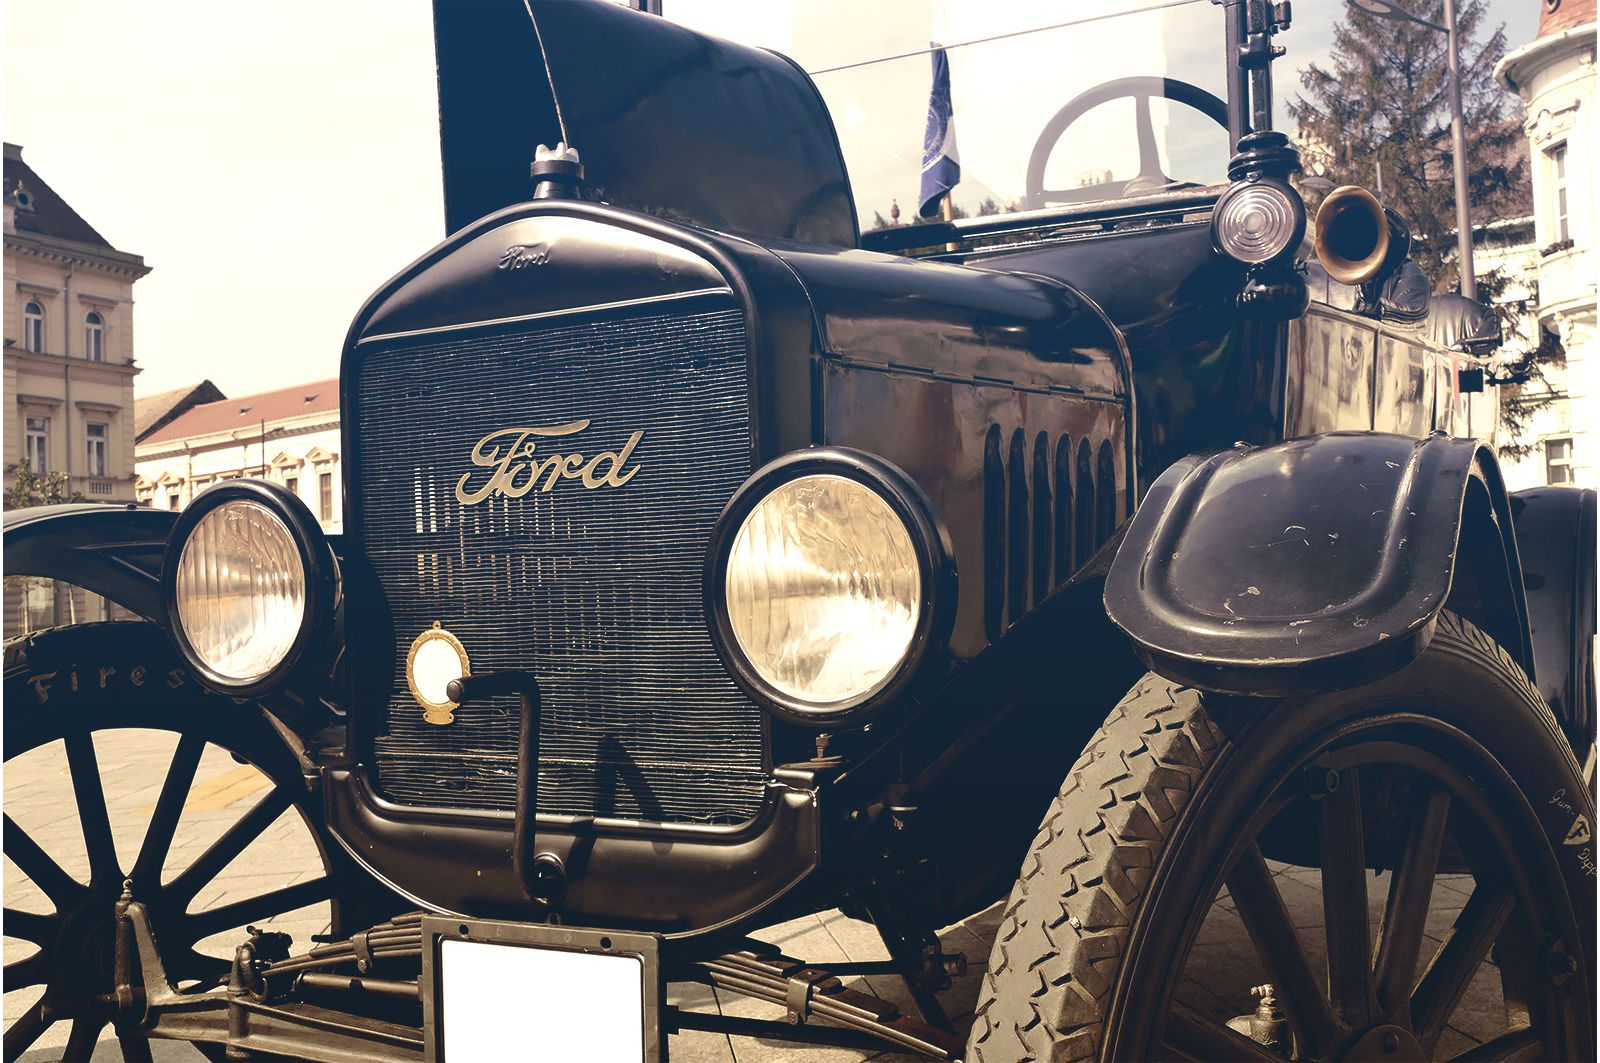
1317,564
110,549
1556,540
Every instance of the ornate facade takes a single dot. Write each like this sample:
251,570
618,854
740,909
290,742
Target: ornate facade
69,368
289,436
1555,76
69,363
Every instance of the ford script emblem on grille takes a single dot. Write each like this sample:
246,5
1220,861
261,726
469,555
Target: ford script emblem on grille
516,469
521,256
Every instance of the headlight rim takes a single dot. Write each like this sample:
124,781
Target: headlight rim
935,558
316,560
1296,203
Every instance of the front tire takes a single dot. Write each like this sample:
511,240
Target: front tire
1452,763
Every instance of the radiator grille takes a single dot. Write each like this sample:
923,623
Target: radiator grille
596,591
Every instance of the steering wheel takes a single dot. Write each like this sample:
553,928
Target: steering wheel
1150,176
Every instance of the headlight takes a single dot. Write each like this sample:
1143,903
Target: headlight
826,582
1258,220
245,584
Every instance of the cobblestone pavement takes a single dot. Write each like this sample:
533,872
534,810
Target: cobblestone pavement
38,795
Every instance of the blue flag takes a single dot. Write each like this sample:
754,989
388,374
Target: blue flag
941,166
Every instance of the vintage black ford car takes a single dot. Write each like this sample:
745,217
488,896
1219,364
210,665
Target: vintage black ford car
710,562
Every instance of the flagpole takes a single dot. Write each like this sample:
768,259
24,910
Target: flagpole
948,209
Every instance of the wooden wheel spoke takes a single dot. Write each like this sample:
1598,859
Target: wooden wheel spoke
19,974
1406,915
1191,1035
1344,899
30,926
1261,909
233,842
169,807
92,815
34,862
1521,1043
265,906
135,1049
1465,947
197,966
21,1034
85,1032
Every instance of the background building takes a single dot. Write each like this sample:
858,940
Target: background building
1555,77
69,364
289,436
154,412
69,369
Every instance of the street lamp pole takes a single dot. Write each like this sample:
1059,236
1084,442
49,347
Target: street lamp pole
1458,135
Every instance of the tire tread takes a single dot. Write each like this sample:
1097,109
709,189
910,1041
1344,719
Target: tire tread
1069,916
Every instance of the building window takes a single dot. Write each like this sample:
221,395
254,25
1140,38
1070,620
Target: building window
325,494
172,500
99,433
291,484
1558,460
1558,184
94,336
37,444
33,327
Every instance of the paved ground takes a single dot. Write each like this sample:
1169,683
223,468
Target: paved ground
38,796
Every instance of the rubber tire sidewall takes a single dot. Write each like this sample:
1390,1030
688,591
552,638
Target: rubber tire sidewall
1463,680
126,674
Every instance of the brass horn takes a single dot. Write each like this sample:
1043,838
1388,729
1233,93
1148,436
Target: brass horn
1352,235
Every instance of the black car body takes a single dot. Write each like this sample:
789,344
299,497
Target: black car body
1018,387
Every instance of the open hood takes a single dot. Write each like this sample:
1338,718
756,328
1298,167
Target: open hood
667,121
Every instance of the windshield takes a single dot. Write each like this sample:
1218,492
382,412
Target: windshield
1021,103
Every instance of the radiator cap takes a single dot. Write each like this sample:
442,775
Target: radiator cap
557,173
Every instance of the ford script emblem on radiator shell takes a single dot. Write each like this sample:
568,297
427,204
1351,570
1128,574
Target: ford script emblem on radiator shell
521,256
516,469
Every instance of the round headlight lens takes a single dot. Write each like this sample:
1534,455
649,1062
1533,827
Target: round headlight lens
241,591
1259,221
824,589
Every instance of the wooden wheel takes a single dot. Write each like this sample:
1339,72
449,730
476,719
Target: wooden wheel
74,708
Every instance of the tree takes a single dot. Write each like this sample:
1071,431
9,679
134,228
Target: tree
40,489
1380,114
35,489
1518,402
1383,107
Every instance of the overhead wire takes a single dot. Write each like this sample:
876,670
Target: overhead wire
1006,36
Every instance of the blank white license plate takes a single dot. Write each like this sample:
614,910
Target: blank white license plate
509,1000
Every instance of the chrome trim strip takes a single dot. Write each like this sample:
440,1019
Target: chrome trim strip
671,297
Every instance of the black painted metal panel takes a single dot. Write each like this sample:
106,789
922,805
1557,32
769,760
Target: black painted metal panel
1556,540
1316,564
668,121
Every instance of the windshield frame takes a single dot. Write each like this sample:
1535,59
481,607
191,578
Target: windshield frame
1248,79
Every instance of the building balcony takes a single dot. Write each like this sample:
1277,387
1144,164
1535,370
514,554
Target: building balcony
1566,283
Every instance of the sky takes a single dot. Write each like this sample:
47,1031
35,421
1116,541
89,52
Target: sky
275,162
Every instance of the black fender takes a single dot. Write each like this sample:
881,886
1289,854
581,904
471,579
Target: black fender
111,549
1555,529
1317,564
